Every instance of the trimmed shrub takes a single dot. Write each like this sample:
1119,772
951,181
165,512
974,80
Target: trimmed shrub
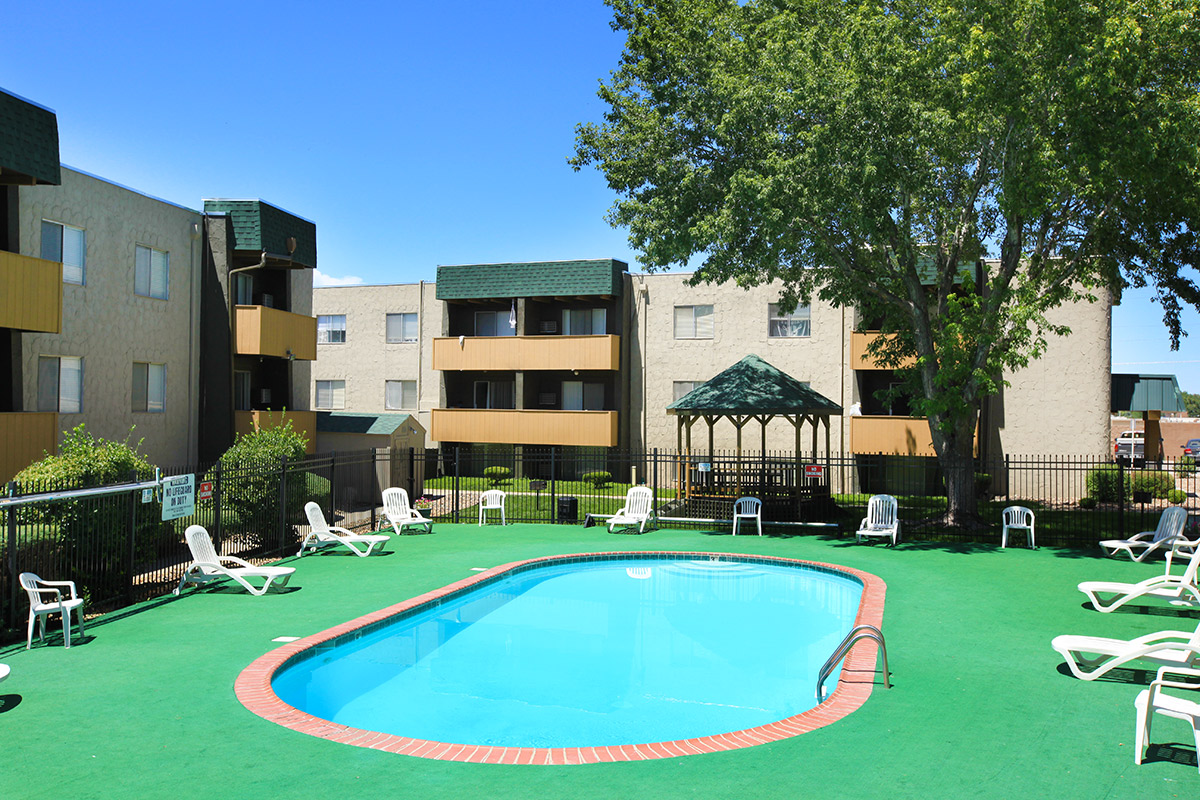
1087,502
1153,482
1176,496
983,485
250,479
598,479
1186,466
1104,484
497,475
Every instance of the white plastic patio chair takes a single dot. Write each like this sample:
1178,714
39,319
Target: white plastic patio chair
747,508
492,500
4,670
1107,596
638,509
400,514
40,606
207,566
322,533
1017,518
1155,701
1090,657
882,519
1161,539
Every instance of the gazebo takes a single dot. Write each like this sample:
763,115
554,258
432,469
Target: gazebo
752,391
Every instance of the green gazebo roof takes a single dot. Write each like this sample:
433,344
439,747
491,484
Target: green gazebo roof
752,386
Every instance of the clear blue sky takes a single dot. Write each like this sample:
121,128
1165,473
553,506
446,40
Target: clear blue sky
413,134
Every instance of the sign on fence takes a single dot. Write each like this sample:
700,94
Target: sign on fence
178,497
205,491
813,471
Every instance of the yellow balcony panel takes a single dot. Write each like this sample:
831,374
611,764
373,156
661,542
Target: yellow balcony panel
490,426
860,359
305,422
906,436
25,436
31,293
527,353
263,331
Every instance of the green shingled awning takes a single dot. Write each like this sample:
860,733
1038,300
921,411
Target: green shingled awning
28,143
589,278
1132,392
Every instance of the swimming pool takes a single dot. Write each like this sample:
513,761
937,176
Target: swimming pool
586,652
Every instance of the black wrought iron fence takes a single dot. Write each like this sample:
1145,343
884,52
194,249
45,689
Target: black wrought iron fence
118,549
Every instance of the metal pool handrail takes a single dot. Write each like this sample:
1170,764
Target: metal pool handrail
856,633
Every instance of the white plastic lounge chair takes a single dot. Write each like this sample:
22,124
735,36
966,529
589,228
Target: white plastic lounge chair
1155,701
1090,657
45,599
1141,545
4,670
208,566
1106,596
881,519
1017,518
747,508
400,514
638,508
322,533
492,500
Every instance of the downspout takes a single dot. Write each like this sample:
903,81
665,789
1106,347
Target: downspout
420,348
231,290
193,412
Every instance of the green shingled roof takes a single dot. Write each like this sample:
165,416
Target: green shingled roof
28,142
539,279
1132,392
347,422
752,386
259,226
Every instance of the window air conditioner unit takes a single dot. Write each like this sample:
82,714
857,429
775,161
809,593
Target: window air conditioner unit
547,398
268,300
550,326
264,395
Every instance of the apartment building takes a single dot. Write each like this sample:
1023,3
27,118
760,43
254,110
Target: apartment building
583,354
115,310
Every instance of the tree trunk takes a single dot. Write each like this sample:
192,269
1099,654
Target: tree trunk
956,456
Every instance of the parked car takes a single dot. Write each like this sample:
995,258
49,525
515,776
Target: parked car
1192,448
1130,448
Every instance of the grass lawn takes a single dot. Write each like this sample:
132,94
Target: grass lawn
980,707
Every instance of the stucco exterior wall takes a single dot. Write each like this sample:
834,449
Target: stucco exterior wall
108,325
739,329
366,361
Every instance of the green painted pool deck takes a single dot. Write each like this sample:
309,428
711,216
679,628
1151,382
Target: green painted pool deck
980,707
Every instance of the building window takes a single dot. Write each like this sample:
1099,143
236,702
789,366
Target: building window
400,394
241,391
331,329
788,326
60,384
150,272
494,323
245,289
680,388
68,245
585,322
149,387
693,322
580,396
495,394
331,394
402,328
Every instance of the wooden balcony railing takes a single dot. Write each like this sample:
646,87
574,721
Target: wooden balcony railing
304,422
31,293
527,353
585,428
908,436
860,359
263,331
24,437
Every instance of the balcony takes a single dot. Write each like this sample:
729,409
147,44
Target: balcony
263,331
583,428
24,437
31,292
527,353
305,422
860,359
906,436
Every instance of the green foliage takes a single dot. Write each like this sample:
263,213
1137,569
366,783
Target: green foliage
983,484
870,154
84,460
1104,484
1176,496
497,475
1087,502
1191,404
1153,482
597,479
1186,466
250,478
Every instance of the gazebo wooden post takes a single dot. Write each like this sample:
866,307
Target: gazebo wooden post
680,489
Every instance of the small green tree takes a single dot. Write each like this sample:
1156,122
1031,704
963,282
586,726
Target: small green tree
250,478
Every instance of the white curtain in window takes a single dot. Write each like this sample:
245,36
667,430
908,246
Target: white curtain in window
141,270
400,395
704,322
74,254
331,394
70,385
159,273
156,388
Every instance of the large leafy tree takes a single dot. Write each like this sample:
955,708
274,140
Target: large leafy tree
872,153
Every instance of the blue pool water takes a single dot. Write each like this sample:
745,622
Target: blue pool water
590,653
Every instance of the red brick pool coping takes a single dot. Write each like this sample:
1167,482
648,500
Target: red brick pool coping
253,686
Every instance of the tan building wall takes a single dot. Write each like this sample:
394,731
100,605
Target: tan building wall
108,325
366,361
